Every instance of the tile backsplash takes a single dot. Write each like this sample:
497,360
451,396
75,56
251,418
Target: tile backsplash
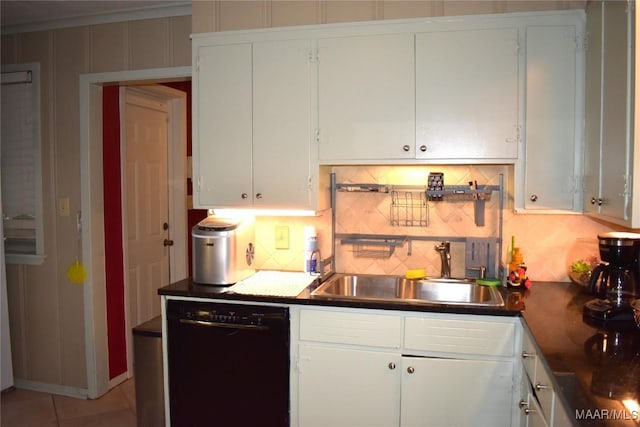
545,239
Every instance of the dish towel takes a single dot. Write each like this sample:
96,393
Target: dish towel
273,283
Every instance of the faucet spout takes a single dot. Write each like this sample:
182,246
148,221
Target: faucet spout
444,249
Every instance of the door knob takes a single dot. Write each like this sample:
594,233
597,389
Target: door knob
167,242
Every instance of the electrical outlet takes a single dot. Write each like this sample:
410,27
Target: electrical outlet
63,206
282,237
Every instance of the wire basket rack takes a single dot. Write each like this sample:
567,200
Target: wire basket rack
409,209
374,248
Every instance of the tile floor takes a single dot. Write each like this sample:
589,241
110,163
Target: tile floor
26,408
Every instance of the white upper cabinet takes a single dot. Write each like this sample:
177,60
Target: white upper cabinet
252,128
366,97
609,162
282,125
273,107
222,126
467,94
553,123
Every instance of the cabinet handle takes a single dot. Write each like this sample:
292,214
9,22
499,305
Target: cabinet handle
526,355
525,407
539,386
392,365
406,147
244,196
423,148
533,197
410,370
259,196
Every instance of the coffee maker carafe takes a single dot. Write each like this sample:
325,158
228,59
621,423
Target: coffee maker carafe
615,281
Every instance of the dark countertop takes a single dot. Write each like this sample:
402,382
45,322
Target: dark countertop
590,363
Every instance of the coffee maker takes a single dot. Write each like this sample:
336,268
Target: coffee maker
615,280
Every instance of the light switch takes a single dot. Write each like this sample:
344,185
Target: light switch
282,237
63,206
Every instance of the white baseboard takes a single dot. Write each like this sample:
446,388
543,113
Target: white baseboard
113,382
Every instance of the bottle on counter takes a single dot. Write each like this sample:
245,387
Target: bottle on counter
311,252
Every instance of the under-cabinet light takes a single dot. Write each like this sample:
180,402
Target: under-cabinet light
264,212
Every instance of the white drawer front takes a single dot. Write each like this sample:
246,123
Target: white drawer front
460,336
529,356
544,390
351,328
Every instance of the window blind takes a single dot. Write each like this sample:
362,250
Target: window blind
20,160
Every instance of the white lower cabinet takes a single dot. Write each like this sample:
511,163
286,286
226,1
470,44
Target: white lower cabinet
455,392
365,367
540,403
348,387
532,410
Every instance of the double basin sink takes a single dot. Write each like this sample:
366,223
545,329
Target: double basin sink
464,292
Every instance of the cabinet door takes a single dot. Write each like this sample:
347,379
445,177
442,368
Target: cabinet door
366,97
533,413
456,392
593,98
222,132
282,124
345,387
616,151
467,94
551,105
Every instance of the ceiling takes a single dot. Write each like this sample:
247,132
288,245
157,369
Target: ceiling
29,13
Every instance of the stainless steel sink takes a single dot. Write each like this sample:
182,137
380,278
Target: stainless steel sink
398,289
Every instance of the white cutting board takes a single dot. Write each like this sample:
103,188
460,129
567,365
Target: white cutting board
274,283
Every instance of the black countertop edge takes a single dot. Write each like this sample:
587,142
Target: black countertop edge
552,311
187,288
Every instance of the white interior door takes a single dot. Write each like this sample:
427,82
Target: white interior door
145,203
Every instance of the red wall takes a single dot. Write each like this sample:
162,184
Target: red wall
114,269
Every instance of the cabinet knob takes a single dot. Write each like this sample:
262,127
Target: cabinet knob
259,196
525,407
423,148
526,355
406,147
539,386
167,242
392,365
244,196
533,197
410,370
597,201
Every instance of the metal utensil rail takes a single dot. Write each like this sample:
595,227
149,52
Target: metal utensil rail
383,246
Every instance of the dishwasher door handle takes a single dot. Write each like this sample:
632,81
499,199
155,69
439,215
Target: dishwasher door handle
223,325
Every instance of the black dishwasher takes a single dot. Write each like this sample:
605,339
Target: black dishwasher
228,364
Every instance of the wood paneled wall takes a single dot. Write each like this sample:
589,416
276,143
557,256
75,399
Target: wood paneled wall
222,15
46,311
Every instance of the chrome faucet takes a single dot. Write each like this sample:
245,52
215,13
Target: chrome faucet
445,258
